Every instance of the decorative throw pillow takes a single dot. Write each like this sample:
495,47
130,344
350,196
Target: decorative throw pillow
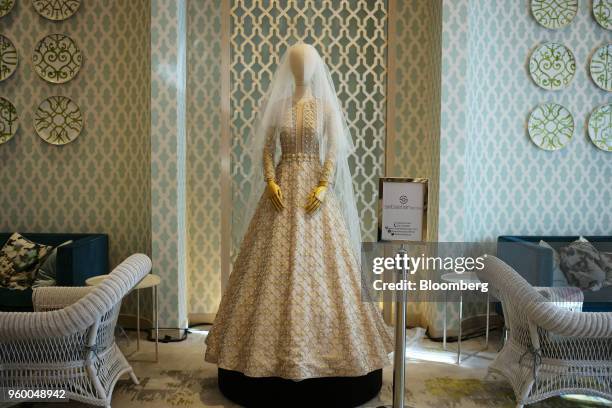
19,260
606,265
559,278
47,273
580,261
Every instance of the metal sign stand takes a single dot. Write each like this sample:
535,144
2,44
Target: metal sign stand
399,363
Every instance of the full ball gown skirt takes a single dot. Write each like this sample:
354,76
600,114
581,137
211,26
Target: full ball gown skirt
293,306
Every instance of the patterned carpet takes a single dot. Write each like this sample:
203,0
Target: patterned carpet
182,379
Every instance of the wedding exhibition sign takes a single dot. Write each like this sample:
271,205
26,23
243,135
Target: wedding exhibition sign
402,209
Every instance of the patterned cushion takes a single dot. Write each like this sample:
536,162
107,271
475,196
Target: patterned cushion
606,265
19,261
580,261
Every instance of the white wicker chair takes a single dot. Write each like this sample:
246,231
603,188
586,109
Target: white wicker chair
73,348
553,348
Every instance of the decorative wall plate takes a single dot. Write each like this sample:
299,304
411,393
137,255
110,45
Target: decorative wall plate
601,67
58,120
8,58
56,10
552,66
600,127
9,121
6,6
57,58
554,14
551,126
602,11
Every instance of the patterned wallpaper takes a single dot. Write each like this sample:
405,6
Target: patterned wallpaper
493,179
453,123
203,158
100,182
414,140
414,143
351,37
168,144
528,190
486,151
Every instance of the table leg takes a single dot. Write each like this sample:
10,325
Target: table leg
156,326
444,327
137,319
460,328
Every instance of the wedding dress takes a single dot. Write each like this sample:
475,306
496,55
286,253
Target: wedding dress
293,306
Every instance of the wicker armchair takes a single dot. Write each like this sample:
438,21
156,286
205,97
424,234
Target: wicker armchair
553,348
68,343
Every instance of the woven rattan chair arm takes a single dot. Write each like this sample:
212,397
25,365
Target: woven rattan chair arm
567,323
80,315
57,297
570,298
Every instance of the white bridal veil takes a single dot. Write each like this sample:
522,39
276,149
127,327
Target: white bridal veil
333,133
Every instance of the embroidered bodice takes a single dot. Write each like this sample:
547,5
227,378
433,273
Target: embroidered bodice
298,134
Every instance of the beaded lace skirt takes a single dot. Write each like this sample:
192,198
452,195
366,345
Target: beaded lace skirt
293,306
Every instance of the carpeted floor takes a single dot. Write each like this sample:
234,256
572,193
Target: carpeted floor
183,379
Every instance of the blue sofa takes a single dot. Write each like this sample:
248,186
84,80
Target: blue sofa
535,263
85,257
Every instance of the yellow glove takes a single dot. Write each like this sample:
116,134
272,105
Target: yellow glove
276,195
316,197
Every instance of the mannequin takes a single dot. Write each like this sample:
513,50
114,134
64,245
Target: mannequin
292,328
301,62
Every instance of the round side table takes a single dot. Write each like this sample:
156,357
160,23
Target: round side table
149,281
468,277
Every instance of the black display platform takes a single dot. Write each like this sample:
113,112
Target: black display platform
324,392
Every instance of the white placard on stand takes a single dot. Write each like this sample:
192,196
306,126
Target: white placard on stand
403,209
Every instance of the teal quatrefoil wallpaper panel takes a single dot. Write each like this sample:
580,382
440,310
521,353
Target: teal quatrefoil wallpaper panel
203,158
82,186
493,179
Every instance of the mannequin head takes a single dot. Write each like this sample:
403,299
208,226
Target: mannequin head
302,60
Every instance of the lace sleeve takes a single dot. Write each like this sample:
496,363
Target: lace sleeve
268,155
329,166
